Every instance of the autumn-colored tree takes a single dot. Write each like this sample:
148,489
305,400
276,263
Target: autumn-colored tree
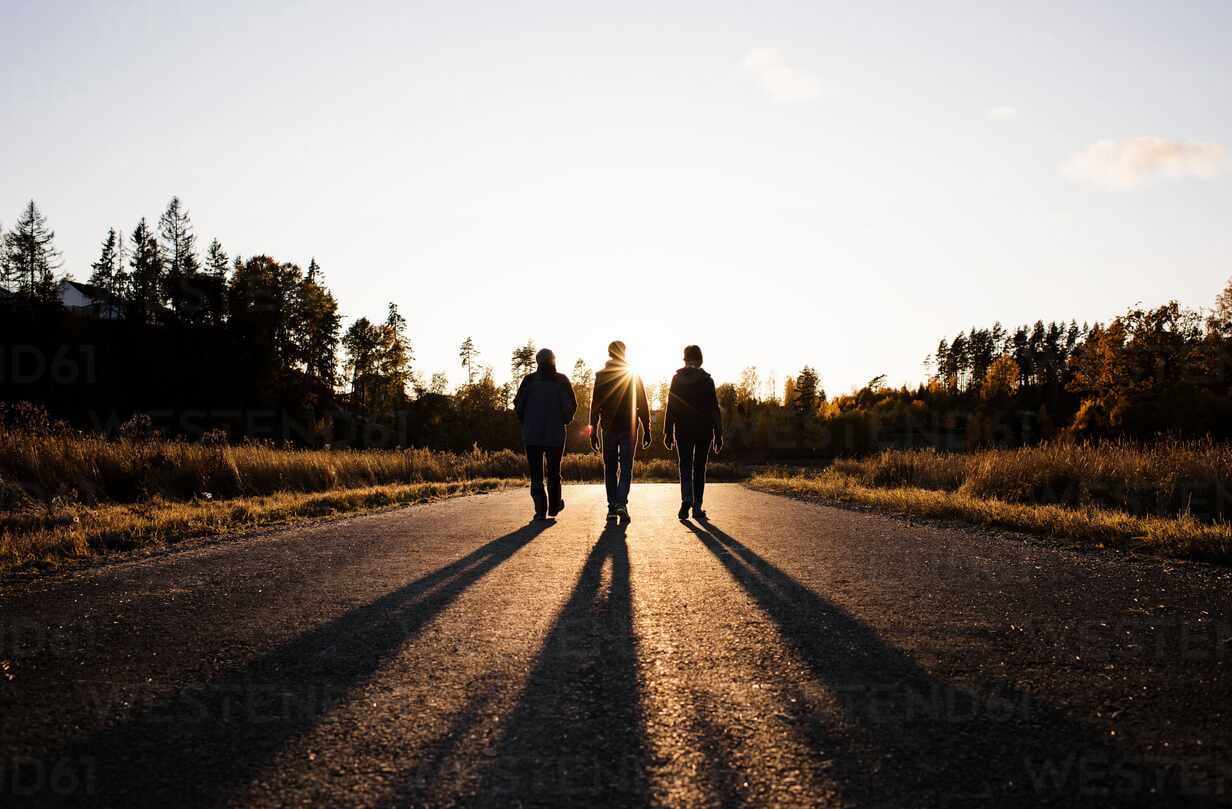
748,386
1001,381
522,361
1136,376
1222,317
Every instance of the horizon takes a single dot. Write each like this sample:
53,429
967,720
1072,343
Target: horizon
830,187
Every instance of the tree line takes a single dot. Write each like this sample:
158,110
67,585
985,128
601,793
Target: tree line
255,347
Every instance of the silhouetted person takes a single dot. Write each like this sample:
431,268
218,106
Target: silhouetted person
545,404
618,406
694,421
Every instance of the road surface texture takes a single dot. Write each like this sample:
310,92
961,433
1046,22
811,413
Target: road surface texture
783,653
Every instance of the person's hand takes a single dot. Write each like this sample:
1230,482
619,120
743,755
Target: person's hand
646,439
594,440
667,441
718,445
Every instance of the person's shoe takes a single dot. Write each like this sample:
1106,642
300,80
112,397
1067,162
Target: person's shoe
612,512
698,514
556,508
683,514
623,513
540,516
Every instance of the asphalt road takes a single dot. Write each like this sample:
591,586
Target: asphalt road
782,654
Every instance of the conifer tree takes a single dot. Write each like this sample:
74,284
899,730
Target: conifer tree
216,260
29,257
468,354
179,256
148,275
108,272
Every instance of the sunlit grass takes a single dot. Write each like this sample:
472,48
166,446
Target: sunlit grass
66,496
1165,479
75,531
1182,536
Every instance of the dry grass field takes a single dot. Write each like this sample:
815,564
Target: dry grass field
65,495
1171,499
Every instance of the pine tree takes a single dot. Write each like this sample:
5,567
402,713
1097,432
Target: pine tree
808,393
179,255
317,329
216,260
362,346
108,272
468,354
398,357
146,283
29,257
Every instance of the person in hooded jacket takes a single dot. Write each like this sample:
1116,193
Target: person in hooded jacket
545,405
618,406
694,422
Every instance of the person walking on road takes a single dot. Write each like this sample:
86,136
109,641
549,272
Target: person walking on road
692,420
618,407
545,404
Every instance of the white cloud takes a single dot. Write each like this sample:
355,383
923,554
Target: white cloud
1003,113
1121,165
781,80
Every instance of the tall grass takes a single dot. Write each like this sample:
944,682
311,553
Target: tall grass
1180,537
75,468
65,495
1168,479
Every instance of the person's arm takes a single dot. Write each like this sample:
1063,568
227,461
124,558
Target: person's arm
716,417
669,416
643,412
570,401
594,406
519,401
594,415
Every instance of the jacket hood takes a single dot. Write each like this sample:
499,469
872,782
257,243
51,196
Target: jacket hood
694,372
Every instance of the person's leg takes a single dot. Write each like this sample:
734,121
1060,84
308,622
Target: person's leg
611,453
553,456
627,443
700,451
684,457
684,461
534,457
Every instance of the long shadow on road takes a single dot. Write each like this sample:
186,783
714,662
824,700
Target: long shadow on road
576,735
205,742
905,737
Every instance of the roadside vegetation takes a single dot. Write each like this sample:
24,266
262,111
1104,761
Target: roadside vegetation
65,494
1171,499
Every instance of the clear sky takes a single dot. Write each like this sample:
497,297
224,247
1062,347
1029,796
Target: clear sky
838,184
